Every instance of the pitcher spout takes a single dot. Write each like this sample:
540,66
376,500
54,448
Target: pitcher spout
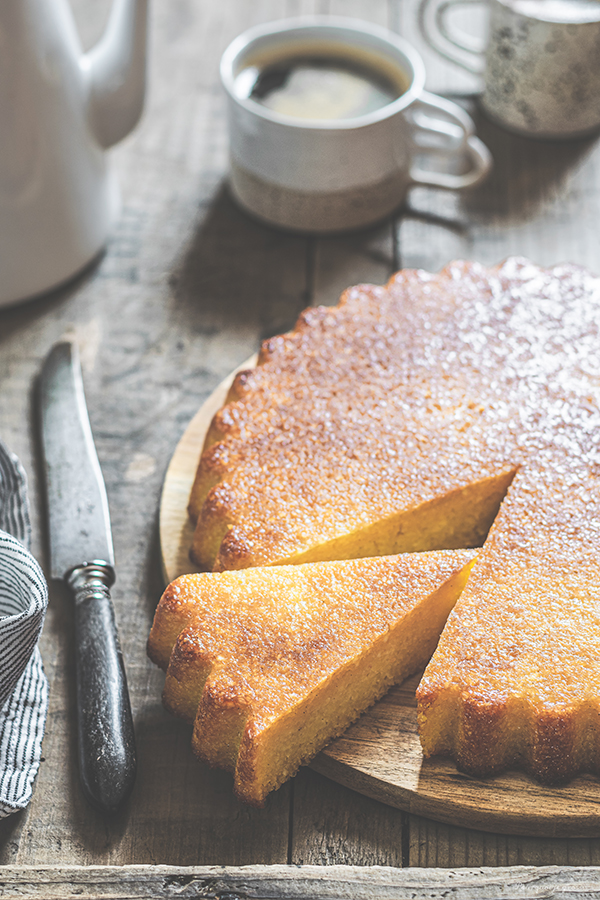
115,72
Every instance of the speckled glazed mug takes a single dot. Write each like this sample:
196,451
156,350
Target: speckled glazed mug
540,63
327,175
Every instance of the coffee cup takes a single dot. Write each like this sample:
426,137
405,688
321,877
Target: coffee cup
330,125
540,63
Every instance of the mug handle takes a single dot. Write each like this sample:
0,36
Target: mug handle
457,126
434,29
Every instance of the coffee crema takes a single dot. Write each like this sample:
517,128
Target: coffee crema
318,87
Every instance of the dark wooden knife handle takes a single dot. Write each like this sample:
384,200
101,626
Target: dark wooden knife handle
106,742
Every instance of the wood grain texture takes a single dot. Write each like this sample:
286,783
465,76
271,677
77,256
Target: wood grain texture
297,883
330,828
436,844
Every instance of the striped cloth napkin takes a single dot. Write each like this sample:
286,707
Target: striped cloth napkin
23,602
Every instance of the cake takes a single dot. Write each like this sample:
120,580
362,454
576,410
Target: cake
410,418
515,680
271,663
364,431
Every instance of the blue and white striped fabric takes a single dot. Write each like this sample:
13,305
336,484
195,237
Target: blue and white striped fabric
23,602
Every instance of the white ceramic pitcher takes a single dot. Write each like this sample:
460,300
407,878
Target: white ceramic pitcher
59,111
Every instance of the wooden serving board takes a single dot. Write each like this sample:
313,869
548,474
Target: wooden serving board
380,755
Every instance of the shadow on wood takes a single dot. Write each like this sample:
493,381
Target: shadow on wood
239,274
527,173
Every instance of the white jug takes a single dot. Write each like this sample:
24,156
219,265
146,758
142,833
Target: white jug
59,111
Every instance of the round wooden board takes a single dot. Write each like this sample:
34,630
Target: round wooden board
380,755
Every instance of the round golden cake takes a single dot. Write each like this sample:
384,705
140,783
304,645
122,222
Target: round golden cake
409,418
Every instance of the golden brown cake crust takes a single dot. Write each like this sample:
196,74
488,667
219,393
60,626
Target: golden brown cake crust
364,410
402,397
270,664
518,659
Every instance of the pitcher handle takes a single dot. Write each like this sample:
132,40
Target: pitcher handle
458,130
434,29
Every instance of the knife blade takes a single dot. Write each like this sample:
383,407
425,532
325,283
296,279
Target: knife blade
81,554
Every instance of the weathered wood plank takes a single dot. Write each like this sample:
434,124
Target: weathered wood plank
291,882
542,201
367,256
335,826
434,844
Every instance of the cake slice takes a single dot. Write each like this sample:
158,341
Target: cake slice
272,663
515,679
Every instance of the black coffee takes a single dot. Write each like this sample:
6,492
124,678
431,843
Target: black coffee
318,88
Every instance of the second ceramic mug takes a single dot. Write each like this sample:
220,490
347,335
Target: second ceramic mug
540,63
324,175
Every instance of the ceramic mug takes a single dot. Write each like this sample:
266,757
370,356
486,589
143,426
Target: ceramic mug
333,174
540,63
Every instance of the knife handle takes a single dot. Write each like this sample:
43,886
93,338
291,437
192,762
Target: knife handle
106,742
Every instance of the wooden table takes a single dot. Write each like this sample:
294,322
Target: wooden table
188,287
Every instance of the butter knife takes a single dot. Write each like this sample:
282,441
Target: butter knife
81,554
